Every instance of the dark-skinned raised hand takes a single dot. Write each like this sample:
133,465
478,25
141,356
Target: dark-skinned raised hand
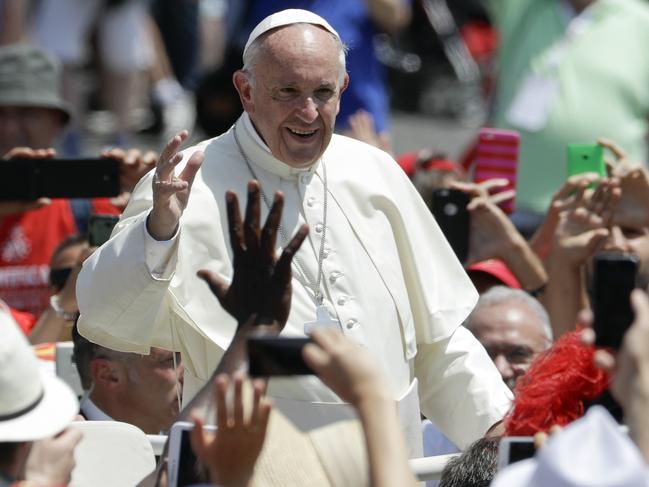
261,282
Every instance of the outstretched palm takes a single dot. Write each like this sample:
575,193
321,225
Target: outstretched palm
261,283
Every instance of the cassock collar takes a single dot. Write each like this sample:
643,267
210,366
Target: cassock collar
259,154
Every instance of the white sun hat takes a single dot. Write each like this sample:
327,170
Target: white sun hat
33,403
287,17
591,452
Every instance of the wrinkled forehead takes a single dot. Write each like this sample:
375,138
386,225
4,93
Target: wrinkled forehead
507,319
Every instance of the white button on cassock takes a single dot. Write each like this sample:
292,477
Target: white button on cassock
335,275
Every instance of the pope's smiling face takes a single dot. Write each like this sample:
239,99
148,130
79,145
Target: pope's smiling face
293,96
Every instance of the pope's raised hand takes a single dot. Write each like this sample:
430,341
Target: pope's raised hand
171,191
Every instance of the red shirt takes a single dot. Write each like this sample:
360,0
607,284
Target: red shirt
27,242
25,320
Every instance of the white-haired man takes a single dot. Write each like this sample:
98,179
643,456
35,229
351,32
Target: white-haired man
375,264
513,327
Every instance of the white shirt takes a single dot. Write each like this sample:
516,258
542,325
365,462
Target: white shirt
389,276
91,411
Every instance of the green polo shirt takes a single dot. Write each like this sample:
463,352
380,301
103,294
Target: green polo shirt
603,85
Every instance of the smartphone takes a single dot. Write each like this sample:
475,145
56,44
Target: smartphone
276,356
614,277
497,157
584,158
449,209
100,228
29,179
514,449
183,467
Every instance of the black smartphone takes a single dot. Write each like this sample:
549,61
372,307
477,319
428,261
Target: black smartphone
183,468
449,209
514,449
29,179
276,356
614,277
99,228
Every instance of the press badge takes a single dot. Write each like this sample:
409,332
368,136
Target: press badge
533,102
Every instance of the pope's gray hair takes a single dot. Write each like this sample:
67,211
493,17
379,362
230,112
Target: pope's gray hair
251,55
501,294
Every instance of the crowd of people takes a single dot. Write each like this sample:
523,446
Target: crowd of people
297,220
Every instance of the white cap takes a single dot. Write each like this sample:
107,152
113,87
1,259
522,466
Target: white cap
33,403
591,452
287,17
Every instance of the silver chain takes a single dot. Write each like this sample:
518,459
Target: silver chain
318,295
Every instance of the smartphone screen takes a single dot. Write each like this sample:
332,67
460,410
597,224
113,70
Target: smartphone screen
449,209
100,228
515,449
614,277
497,157
276,356
183,467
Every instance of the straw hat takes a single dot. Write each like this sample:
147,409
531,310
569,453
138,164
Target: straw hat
33,403
333,455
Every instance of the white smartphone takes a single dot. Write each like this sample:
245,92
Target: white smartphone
514,449
182,465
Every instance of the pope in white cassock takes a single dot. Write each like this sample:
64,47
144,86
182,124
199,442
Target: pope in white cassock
375,263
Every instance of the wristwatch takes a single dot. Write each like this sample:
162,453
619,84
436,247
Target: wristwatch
60,312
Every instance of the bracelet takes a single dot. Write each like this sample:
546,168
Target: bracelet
60,312
538,292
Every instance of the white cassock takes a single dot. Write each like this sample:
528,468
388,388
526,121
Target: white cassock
389,277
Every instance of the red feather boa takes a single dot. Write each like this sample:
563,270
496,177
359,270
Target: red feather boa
554,388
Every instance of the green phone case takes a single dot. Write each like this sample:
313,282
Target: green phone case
586,158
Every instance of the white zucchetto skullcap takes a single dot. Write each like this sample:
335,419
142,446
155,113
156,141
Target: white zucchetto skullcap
287,17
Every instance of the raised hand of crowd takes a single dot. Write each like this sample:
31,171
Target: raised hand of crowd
492,235
133,165
232,450
261,282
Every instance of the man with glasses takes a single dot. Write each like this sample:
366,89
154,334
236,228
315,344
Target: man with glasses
513,327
